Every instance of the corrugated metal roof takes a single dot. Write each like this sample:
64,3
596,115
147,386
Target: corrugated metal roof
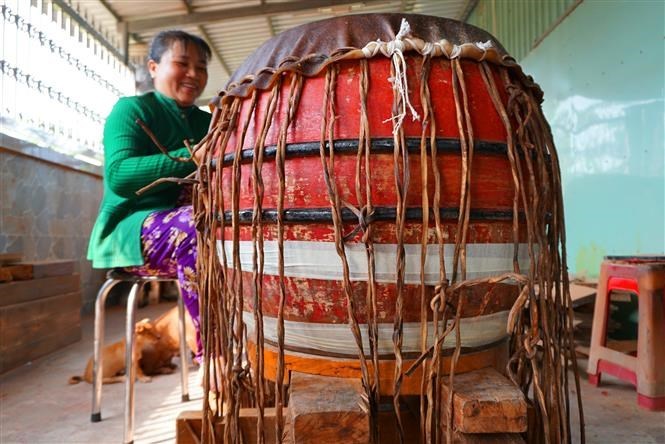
520,26
234,29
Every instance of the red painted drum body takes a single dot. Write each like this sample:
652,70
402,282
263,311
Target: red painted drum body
317,335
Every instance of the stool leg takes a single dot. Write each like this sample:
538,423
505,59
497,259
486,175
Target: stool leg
184,361
650,369
599,326
97,376
130,365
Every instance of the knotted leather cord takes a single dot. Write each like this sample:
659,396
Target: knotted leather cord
257,278
280,396
364,152
427,125
258,252
328,165
235,300
438,303
209,268
541,318
402,179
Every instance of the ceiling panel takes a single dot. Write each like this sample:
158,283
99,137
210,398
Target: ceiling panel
234,29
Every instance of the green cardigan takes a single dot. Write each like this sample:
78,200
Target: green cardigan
132,161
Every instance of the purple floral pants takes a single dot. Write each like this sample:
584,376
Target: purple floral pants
169,249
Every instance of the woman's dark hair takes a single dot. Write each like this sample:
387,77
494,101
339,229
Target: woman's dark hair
163,41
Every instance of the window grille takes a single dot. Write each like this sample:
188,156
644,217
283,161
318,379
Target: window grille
58,82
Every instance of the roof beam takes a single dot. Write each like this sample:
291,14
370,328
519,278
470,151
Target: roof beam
269,22
118,19
220,15
468,9
206,37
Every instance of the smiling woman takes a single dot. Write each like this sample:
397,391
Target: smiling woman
179,68
153,233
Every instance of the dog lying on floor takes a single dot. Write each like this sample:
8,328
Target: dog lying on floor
113,356
157,359
156,344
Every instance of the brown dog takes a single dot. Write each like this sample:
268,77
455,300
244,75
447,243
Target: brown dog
113,356
156,358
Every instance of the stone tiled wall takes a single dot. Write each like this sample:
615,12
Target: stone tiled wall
47,212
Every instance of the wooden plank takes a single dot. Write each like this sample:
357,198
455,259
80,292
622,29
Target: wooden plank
35,330
22,271
27,322
582,350
488,438
582,294
485,401
16,356
43,269
24,291
331,406
10,258
17,347
18,272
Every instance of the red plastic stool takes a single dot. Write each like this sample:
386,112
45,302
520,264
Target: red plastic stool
645,277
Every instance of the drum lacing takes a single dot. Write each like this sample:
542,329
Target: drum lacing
365,218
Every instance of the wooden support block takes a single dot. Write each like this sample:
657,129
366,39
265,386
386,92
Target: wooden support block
189,423
188,427
485,401
327,409
248,418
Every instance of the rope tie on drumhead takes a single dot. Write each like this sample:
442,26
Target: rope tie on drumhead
395,50
483,46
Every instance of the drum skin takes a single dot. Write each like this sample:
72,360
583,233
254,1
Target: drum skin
318,339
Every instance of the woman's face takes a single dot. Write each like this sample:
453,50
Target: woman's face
182,73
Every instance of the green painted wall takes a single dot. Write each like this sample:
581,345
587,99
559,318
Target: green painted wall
603,72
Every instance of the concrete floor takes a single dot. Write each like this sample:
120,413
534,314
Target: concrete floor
38,406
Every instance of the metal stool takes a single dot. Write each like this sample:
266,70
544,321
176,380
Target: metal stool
112,278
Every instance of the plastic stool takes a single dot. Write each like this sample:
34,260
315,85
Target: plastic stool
112,278
645,277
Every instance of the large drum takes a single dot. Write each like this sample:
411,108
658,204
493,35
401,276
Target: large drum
393,168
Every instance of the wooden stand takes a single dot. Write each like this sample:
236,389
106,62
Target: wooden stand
40,305
485,401
487,408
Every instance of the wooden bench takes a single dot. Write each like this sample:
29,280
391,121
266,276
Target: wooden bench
40,309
